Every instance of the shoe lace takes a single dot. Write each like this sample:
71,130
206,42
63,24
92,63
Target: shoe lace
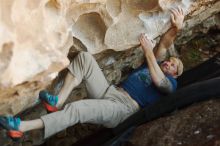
51,98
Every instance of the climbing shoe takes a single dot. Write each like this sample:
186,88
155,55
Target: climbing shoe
49,101
11,124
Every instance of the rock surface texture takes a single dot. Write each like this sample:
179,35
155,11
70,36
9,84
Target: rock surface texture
194,126
36,36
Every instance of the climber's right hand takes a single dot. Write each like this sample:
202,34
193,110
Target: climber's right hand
177,17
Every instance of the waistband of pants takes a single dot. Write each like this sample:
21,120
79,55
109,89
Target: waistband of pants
126,93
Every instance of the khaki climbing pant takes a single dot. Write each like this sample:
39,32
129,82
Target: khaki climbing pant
108,106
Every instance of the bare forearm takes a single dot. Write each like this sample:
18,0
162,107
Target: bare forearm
165,42
168,38
153,66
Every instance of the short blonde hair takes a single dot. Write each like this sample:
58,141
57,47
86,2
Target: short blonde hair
179,66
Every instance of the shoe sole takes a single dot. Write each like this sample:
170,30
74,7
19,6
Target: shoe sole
15,135
49,108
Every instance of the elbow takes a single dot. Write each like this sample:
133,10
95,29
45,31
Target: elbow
165,86
165,90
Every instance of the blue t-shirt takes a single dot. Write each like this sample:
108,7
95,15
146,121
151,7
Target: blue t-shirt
140,87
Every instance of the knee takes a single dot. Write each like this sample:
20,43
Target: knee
85,54
86,57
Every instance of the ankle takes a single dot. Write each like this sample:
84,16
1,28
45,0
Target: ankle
31,125
22,127
59,104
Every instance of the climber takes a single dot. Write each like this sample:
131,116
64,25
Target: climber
110,104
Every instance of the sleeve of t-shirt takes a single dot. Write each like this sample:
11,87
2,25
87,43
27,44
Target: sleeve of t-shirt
173,83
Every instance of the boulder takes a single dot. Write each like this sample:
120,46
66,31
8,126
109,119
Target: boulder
36,36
